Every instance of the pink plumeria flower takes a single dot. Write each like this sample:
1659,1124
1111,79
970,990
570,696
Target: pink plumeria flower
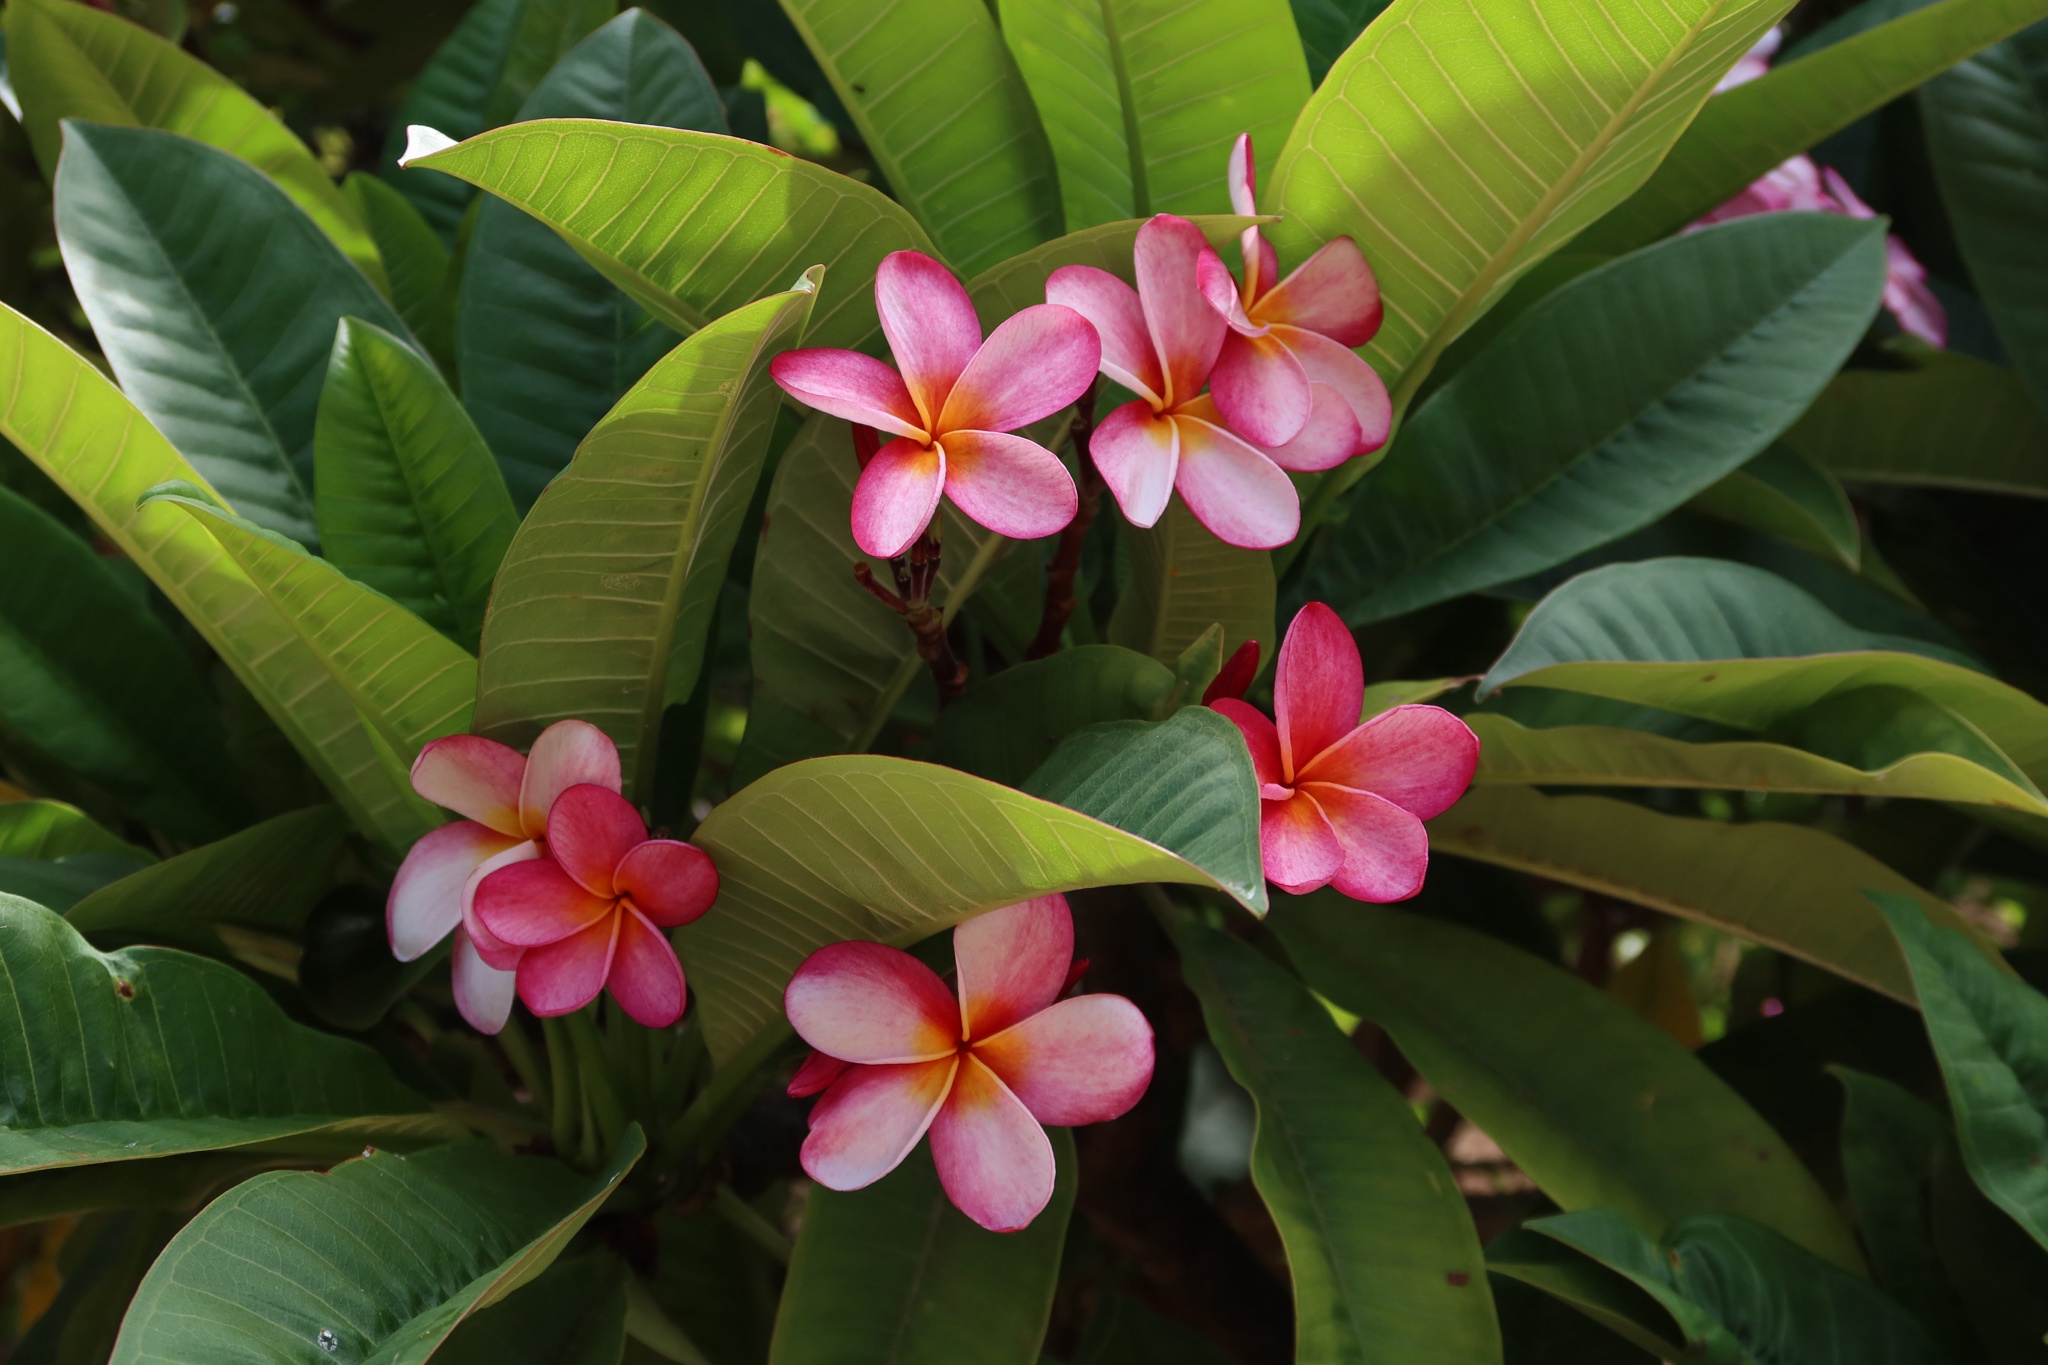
506,795
897,1055
951,408
1342,803
1287,378
1752,63
589,916
1160,341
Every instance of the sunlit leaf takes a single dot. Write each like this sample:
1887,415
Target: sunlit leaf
53,830
1184,580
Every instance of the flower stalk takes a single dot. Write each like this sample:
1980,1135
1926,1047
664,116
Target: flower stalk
1060,575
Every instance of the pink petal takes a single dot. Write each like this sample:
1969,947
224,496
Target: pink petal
563,977
1012,962
1260,389
668,881
863,1002
1838,188
1326,440
1299,849
567,754
590,832
1016,488
897,494
1386,850
1185,330
1137,452
1220,288
931,326
482,992
1085,1060
1908,299
1036,363
1235,678
1234,490
645,977
1326,362
1259,736
1261,264
1752,63
1421,758
492,949
848,384
426,896
994,1160
1318,686
817,1072
1243,177
1113,310
863,1127
472,776
1333,292
535,902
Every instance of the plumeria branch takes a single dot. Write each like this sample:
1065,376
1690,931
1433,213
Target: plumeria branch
1066,560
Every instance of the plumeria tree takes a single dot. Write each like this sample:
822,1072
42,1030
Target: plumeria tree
795,682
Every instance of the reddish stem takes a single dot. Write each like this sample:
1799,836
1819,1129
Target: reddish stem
1066,560
916,572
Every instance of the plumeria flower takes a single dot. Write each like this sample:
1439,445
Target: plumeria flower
506,795
1906,295
589,916
1342,803
899,1055
951,408
1287,378
1754,62
1160,341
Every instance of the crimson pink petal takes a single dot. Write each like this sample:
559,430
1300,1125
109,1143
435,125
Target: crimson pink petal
1260,389
590,831
1233,489
483,993
535,902
864,1002
1326,362
994,1159
897,494
1036,363
1333,293
567,754
1185,330
1261,265
1220,288
1297,845
848,384
870,1118
1242,174
1016,488
492,949
1326,440
932,329
1260,737
472,776
1386,850
563,977
645,978
426,896
1084,1060
1137,452
1113,310
1318,686
668,881
817,1072
1421,758
1012,962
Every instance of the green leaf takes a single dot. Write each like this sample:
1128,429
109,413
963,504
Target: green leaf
945,115
604,603
408,499
1459,143
1329,26
1554,441
1143,98
1014,285
62,884
1385,1260
1744,132
51,830
1124,1332
1599,1106
575,1314
1990,1033
200,276
1184,580
82,433
692,225
387,1254
413,256
895,1272
74,61
1603,1295
547,344
90,677
1785,493
884,849
151,1052
166,1182
1009,723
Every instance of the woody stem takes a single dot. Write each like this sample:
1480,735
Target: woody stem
1066,560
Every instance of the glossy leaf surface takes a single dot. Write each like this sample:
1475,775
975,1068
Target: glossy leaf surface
1009,723
415,262
1786,494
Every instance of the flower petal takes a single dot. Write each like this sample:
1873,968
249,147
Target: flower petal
1299,849
1386,850
590,832
1185,330
817,1072
1333,292
645,978
1220,288
1259,736
567,754
1085,1060
1036,363
1260,389
1235,677
483,993
1261,264
864,1002
1421,758
1137,452
472,776
668,881
994,1160
535,902
1233,489
1113,309
870,1118
897,494
1318,686
426,896
1012,962
932,329
492,949
1326,440
848,384
1016,488
563,977
1327,362
1908,299
1242,176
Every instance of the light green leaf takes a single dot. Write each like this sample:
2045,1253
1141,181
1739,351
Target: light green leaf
1554,440
51,830
1015,284
1786,494
1184,580
1598,1105
414,259
1385,1261
1329,26
603,606
894,1272
1009,723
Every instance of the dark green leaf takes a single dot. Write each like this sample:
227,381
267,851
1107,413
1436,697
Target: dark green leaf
1184,580
1785,493
1006,725
575,1314
100,1262
413,256
1999,1273
1603,1295
165,1182
62,884
1328,27
53,830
